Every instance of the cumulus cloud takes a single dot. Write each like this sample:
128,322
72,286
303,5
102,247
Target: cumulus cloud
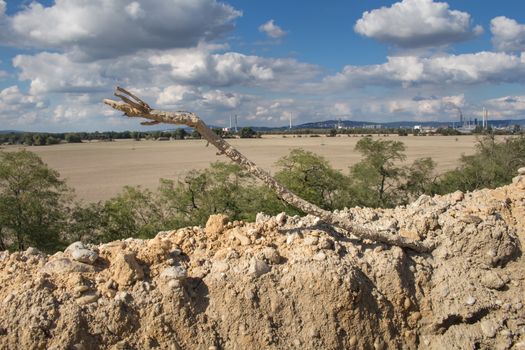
99,28
272,30
477,68
417,24
508,35
506,106
18,108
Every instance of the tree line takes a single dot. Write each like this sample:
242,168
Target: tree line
38,209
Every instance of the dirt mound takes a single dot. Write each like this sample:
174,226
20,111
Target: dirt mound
284,283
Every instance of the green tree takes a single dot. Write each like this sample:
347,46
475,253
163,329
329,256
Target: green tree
246,133
73,138
420,178
311,177
494,164
376,177
32,198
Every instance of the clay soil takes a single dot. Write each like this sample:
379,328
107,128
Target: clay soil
284,283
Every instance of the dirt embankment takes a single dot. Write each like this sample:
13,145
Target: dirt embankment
284,283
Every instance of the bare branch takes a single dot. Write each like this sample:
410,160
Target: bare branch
135,107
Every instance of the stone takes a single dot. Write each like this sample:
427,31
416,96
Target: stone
216,224
221,266
258,268
65,265
241,238
311,240
489,328
271,255
521,171
178,273
83,255
352,341
320,256
457,196
326,243
87,299
126,269
32,251
470,300
409,234
261,218
281,218
492,280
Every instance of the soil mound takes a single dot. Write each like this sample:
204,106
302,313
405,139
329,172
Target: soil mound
284,283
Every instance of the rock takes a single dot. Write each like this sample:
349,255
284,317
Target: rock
83,255
320,256
241,238
519,182
65,265
126,270
221,266
457,196
178,273
281,218
258,268
489,328
352,341
262,218
326,243
87,299
80,289
216,224
470,301
311,240
409,234
521,171
271,255
492,280
32,251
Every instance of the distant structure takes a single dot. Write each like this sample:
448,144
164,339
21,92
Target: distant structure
290,115
236,123
485,120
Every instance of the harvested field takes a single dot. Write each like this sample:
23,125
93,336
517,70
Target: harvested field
99,170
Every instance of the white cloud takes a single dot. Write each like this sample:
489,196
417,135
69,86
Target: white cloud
508,35
506,107
477,68
18,108
416,24
99,28
272,30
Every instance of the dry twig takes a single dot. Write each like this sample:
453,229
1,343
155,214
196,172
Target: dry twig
132,106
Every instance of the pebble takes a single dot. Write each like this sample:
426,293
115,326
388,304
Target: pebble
174,273
311,240
470,300
87,299
489,328
319,256
281,218
258,268
8,298
271,255
352,341
221,266
81,289
32,251
85,256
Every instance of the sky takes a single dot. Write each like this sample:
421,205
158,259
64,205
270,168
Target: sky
264,61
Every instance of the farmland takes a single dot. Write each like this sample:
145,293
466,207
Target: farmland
98,170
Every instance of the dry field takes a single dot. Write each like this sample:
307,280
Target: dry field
99,170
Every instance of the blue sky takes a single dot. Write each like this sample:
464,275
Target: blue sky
261,60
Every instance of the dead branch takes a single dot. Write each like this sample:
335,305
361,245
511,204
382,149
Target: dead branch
132,106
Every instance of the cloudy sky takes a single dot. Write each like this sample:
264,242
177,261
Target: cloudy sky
261,60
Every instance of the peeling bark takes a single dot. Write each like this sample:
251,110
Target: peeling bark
132,106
